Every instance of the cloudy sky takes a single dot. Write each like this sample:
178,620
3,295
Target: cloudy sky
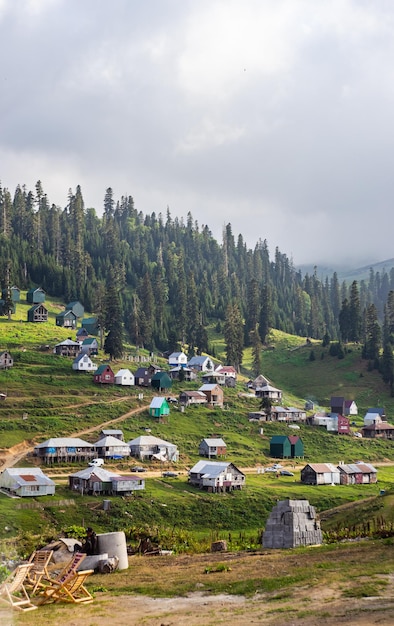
274,115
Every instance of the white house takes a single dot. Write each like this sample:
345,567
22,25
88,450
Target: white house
351,407
201,363
177,358
372,418
216,477
150,447
83,363
124,377
26,481
228,371
110,447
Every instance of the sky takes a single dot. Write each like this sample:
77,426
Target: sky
276,116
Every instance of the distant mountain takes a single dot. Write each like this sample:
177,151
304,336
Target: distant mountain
346,274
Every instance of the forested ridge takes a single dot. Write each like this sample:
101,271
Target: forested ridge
167,278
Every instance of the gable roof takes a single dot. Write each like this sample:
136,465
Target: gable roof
101,473
65,442
209,387
148,440
214,442
211,468
68,342
323,468
102,368
81,357
124,372
28,476
157,402
110,441
198,360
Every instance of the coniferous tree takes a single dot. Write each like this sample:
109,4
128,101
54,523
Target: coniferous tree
113,344
373,336
233,336
266,314
354,313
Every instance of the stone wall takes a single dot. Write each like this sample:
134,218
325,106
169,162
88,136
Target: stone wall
292,523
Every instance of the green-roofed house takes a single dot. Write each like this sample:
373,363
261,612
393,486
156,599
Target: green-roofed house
161,380
280,447
77,308
36,295
90,324
67,319
286,447
159,407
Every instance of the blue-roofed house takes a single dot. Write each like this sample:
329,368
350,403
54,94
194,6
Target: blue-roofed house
201,363
216,476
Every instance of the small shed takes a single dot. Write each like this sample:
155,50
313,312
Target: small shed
159,407
77,308
15,293
161,381
35,295
6,360
37,313
214,446
280,447
124,377
104,375
297,446
83,363
67,319
91,325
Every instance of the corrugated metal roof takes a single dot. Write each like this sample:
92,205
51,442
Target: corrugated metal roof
215,442
61,442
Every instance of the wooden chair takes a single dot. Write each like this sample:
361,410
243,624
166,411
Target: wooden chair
71,589
13,592
40,560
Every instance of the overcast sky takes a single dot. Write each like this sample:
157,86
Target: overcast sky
274,115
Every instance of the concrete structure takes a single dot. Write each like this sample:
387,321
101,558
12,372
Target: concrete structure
292,523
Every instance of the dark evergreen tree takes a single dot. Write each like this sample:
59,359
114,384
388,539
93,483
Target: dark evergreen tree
266,314
233,336
113,344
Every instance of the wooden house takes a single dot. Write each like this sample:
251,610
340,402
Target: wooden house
381,430
280,447
68,347
15,294
150,447
161,381
337,404
113,432
185,374
159,407
92,481
214,394
124,377
67,319
201,363
297,446
357,473
35,296
126,485
104,375
37,313
82,333
90,324
258,382
6,360
350,408
187,398
26,481
342,425
77,308
212,447
213,378
228,371
320,474
177,359
90,346
216,476
83,363
64,450
143,377
270,392
109,447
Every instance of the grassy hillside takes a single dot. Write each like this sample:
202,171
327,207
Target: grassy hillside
46,398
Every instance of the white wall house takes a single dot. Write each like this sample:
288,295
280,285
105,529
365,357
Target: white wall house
26,481
124,377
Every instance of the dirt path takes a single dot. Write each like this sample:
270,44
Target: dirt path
12,456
